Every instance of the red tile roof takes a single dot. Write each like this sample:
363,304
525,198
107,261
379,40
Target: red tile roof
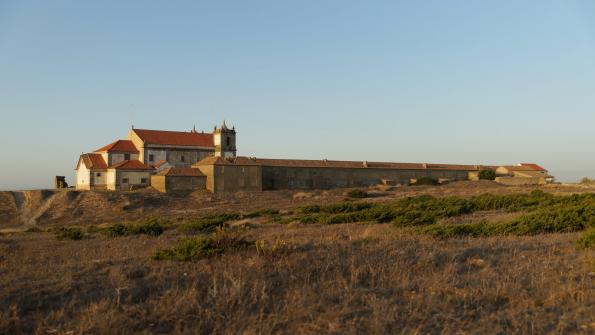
119,146
304,163
131,165
181,172
517,168
159,164
533,166
213,160
178,138
93,161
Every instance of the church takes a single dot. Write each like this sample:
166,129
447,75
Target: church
129,164
181,161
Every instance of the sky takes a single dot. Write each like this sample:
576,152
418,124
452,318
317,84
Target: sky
470,82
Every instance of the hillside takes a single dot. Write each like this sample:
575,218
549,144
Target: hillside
397,261
24,209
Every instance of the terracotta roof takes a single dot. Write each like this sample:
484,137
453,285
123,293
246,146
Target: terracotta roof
160,163
181,172
212,160
361,165
533,173
131,165
179,138
517,168
305,163
457,167
93,161
119,146
533,166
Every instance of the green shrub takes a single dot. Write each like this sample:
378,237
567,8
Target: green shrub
310,209
152,227
425,181
262,212
341,207
64,233
427,210
546,220
357,194
209,223
487,175
195,248
587,240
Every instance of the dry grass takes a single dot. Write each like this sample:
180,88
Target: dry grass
296,278
326,279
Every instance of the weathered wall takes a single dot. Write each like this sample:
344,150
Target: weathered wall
99,178
176,157
276,178
178,183
234,178
520,181
209,172
83,177
158,183
116,157
111,179
135,179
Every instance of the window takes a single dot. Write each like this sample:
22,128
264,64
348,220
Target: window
151,157
228,141
182,159
126,157
98,174
124,180
143,180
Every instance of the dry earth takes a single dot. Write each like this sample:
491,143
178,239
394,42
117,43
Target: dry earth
338,279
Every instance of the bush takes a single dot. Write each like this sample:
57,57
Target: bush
262,212
153,227
587,241
357,194
547,220
425,181
427,210
209,223
341,207
487,175
64,233
195,248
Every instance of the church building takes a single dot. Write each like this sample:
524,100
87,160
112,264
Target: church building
129,163
182,161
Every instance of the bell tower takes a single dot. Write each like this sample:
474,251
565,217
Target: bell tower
225,141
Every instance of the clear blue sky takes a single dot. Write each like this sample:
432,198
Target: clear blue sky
490,82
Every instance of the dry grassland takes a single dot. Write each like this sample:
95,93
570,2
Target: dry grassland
299,279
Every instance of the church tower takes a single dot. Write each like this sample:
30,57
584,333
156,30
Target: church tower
225,141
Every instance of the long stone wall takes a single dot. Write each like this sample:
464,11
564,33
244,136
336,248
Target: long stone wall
279,178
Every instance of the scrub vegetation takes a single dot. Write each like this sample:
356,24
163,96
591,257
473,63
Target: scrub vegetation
434,260
151,227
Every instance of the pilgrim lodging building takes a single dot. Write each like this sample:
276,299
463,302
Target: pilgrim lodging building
173,161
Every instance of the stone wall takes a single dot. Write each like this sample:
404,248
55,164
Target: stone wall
279,178
135,179
520,181
178,183
235,178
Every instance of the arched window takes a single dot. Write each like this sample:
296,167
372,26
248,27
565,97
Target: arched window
228,141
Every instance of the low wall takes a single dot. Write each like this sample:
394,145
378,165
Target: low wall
178,183
279,178
520,181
